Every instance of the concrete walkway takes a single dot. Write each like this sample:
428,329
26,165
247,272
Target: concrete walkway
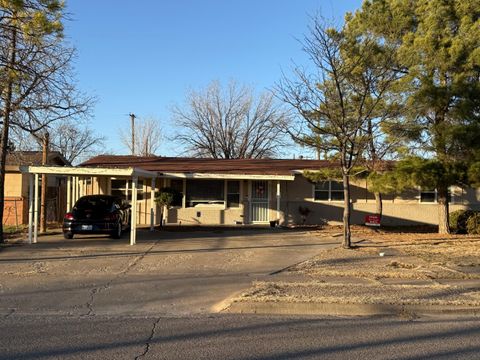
165,273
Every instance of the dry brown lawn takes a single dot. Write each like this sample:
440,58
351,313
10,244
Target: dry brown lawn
384,267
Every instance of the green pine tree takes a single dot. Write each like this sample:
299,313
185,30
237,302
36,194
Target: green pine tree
437,46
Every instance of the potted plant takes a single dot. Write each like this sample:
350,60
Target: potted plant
165,198
304,212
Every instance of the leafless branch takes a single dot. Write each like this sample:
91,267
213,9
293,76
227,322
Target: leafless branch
230,123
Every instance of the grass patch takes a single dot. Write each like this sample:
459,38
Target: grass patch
12,229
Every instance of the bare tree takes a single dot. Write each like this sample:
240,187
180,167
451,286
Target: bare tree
36,85
230,123
148,136
75,141
337,100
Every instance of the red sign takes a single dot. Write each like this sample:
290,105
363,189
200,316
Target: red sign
372,220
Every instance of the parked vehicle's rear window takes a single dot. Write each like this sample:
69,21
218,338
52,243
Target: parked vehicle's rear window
98,203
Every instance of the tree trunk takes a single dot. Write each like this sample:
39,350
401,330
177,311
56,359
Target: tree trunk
378,204
7,111
346,213
3,160
442,199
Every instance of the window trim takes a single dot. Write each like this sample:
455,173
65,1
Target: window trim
226,193
329,192
222,204
450,192
182,205
141,187
435,192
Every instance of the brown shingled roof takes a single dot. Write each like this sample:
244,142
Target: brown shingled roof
214,166
35,158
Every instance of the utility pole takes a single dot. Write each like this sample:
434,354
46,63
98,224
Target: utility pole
132,118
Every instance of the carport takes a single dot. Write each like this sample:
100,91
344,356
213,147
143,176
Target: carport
74,190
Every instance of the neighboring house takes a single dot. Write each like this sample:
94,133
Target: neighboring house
247,191
15,208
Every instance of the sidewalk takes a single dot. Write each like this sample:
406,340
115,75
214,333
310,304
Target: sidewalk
429,275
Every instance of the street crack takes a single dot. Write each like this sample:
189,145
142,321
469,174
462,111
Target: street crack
149,340
12,311
97,290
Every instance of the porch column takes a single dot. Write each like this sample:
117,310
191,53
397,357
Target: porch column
77,188
152,201
133,225
278,201
69,193
126,190
74,189
81,184
35,211
165,209
184,198
30,208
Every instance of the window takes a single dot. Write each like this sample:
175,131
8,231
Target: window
431,196
205,192
119,188
177,184
328,191
233,194
428,196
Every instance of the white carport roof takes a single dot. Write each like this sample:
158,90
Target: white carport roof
70,171
88,171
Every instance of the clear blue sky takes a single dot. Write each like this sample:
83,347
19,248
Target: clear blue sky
141,56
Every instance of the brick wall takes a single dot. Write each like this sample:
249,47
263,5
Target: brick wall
15,211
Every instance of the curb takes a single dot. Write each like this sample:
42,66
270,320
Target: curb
304,308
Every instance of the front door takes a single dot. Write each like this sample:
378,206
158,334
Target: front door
259,201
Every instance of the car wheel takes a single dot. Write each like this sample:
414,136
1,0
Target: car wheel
68,235
117,233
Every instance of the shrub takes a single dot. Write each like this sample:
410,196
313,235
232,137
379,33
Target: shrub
304,212
473,224
458,220
167,197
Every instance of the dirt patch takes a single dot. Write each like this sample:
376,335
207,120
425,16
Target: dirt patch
313,291
367,262
384,267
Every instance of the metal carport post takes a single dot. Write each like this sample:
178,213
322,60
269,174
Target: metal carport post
35,171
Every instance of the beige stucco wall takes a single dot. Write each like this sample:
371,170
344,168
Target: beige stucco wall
14,184
211,214
205,216
404,209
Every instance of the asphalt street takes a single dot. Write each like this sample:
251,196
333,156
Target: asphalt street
237,337
94,298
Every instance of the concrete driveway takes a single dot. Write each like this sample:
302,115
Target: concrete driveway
168,272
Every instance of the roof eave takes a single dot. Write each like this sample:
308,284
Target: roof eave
193,175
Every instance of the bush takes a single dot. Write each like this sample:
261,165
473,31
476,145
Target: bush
473,224
167,197
458,220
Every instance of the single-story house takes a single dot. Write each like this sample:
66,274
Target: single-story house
258,191
15,207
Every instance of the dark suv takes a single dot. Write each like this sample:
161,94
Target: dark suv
97,214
